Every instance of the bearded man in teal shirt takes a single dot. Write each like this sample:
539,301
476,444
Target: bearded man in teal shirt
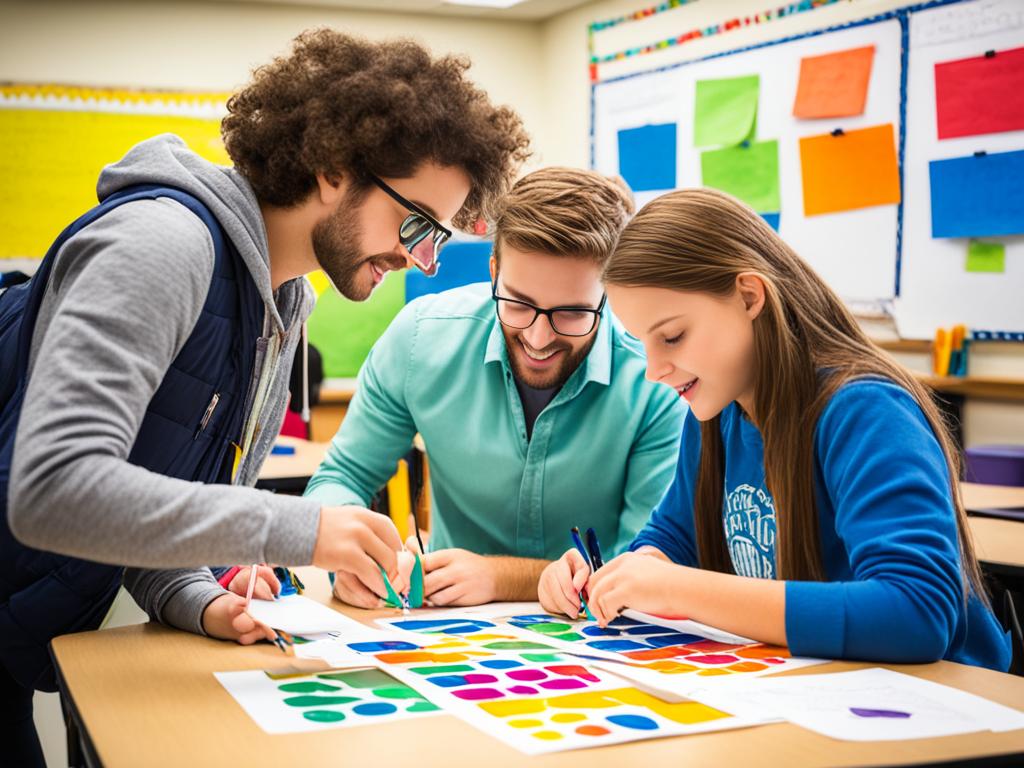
530,398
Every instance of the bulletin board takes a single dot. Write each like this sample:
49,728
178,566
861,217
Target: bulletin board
829,136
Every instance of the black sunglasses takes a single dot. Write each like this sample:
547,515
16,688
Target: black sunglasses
420,233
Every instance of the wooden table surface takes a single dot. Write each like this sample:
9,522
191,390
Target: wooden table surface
146,695
998,541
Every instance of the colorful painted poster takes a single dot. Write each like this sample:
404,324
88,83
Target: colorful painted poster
981,94
854,169
293,703
834,84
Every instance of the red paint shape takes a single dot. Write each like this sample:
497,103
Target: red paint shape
713,658
592,730
573,670
478,694
980,95
710,646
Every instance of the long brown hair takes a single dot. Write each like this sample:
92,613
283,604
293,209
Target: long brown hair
806,345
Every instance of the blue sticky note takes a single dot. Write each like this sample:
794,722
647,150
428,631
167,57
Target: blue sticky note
978,195
647,157
772,219
461,264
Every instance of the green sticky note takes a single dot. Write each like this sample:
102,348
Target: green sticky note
725,112
986,257
749,172
393,599
344,331
416,585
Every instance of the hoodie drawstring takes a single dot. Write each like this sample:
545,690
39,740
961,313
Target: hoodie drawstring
305,375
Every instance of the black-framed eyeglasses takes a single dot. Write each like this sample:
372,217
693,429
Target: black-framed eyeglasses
420,233
565,321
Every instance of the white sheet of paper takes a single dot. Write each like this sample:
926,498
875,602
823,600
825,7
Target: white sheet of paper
266,703
891,705
299,615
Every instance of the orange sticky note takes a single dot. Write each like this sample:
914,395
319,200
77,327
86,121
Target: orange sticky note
856,169
834,84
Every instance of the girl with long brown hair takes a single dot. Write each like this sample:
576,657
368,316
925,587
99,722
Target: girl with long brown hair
816,502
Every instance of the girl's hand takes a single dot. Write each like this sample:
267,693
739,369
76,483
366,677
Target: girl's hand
645,582
267,584
226,618
560,583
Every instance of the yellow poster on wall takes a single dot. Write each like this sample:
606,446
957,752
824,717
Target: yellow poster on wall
56,139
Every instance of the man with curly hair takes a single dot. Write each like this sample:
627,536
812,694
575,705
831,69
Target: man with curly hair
151,352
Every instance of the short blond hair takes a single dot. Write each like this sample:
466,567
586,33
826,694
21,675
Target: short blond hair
564,212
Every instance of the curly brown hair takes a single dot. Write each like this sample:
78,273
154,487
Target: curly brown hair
341,103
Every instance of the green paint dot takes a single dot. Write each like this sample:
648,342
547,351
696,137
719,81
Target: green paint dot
550,627
568,636
542,657
361,678
517,645
443,669
324,716
318,701
423,706
396,692
311,686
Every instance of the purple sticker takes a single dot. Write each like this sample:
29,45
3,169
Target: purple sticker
895,713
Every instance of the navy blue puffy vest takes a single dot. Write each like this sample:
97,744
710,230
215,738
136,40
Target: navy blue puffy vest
43,595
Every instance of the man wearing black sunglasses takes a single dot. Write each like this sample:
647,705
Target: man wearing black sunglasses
530,398
144,369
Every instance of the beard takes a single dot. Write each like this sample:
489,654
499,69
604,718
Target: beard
553,379
336,247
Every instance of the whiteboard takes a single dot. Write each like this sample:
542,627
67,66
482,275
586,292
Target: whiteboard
936,290
854,251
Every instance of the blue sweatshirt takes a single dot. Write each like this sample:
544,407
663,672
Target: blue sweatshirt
887,529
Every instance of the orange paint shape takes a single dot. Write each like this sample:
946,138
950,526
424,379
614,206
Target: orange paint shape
669,667
685,712
417,657
764,652
834,84
856,169
592,730
714,671
668,652
747,666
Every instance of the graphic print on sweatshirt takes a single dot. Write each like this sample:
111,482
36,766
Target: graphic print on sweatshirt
750,531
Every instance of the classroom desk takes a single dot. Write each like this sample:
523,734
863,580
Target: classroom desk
146,695
289,474
1000,543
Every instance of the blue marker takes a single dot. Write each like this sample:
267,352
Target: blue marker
578,543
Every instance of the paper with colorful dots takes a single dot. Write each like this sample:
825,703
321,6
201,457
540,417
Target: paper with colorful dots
293,703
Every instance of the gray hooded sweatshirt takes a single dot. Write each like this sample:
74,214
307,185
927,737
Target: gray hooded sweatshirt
124,296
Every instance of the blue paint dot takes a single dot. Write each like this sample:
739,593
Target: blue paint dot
450,626
448,681
622,621
617,645
677,638
387,645
646,629
500,663
374,708
596,631
636,722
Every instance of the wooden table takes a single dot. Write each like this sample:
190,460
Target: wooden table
146,695
999,543
289,474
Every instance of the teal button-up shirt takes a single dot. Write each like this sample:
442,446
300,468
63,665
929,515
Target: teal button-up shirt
601,455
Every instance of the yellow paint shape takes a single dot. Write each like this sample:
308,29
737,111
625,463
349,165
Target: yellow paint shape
568,717
548,735
526,723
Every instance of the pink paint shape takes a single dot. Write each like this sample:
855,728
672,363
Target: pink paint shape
527,675
473,679
710,646
563,684
773,661
523,690
713,658
478,694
